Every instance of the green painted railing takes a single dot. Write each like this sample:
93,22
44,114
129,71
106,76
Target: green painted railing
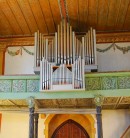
93,81
114,84
107,81
28,83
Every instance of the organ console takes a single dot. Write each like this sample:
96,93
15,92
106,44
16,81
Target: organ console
63,59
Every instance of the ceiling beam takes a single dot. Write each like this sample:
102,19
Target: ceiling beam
118,102
67,111
52,110
55,102
37,104
14,103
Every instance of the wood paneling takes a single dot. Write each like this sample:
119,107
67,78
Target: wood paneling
112,14
46,9
126,25
92,13
5,27
19,16
54,7
102,15
24,17
4,6
122,14
38,15
83,15
73,13
28,14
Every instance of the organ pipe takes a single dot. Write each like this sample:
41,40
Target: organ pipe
63,57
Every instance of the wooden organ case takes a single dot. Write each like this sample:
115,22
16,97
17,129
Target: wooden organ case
63,59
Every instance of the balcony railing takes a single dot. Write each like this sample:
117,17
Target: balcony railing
106,84
23,83
93,81
107,81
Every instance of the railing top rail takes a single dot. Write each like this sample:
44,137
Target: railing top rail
20,77
103,74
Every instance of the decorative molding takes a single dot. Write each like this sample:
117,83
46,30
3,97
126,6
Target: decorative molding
2,47
113,37
29,40
18,41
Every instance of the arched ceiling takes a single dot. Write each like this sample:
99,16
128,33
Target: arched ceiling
24,17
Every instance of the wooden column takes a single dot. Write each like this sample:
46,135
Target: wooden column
31,104
36,125
2,58
99,101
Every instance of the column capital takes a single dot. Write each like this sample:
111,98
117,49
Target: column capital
31,102
98,100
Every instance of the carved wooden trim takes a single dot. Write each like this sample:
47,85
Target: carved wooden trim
21,41
100,38
2,47
113,37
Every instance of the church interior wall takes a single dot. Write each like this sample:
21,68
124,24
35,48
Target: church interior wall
111,60
14,125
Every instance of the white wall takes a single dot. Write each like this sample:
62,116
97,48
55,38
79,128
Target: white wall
113,60
107,61
15,125
19,64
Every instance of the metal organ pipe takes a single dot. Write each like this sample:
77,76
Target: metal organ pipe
62,58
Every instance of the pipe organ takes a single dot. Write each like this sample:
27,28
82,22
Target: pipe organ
63,59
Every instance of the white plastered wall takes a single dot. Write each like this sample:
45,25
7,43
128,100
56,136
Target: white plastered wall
19,64
15,125
108,61
113,60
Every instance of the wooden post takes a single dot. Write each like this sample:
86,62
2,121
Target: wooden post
99,101
2,58
31,104
36,125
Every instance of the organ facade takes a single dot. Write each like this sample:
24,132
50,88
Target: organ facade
63,59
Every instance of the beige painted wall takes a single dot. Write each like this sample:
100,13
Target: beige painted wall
15,125
115,122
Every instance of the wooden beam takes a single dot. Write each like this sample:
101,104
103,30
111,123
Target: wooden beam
118,101
14,103
55,101
37,104
44,111
67,111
